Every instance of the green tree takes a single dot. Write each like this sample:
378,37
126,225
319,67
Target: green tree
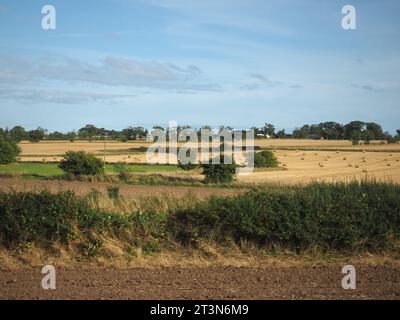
351,127
36,135
269,130
9,151
88,132
281,134
17,134
376,129
81,163
302,133
219,173
355,137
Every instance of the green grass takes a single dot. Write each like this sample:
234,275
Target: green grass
32,169
156,168
44,170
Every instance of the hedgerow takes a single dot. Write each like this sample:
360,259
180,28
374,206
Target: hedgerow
338,216
345,217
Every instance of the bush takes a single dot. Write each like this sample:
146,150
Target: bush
219,173
113,192
43,218
265,159
9,151
81,163
123,172
188,166
353,216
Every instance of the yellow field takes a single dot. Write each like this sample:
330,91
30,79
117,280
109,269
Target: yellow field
301,161
306,166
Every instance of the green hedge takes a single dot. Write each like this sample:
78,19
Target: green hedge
342,217
44,217
328,216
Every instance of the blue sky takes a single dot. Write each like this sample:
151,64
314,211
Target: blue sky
116,63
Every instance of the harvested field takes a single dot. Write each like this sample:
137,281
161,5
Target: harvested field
58,148
301,161
306,166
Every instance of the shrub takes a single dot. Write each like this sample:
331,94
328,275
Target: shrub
81,163
9,151
113,192
123,172
188,166
265,159
353,216
44,218
219,173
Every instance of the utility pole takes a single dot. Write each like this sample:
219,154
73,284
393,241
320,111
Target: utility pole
104,156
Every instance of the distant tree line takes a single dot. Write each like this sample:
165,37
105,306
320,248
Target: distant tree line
355,131
88,132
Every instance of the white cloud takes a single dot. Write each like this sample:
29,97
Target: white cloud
26,79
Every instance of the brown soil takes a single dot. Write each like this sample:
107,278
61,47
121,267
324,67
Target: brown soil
128,191
308,282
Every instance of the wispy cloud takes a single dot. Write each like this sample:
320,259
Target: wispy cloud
365,87
261,82
35,95
112,71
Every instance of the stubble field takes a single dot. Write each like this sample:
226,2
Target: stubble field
301,161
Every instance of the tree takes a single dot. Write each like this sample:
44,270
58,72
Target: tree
88,132
376,129
134,133
281,134
368,135
302,133
9,151
17,134
71,136
36,135
269,130
353,128
355,137
81,163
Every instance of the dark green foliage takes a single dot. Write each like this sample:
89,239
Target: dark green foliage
265,159
188,166
343,217
44,218
356,216
113,192
37,135
219,173
27,217
9,151
81,163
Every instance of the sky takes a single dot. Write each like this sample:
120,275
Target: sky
120,63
